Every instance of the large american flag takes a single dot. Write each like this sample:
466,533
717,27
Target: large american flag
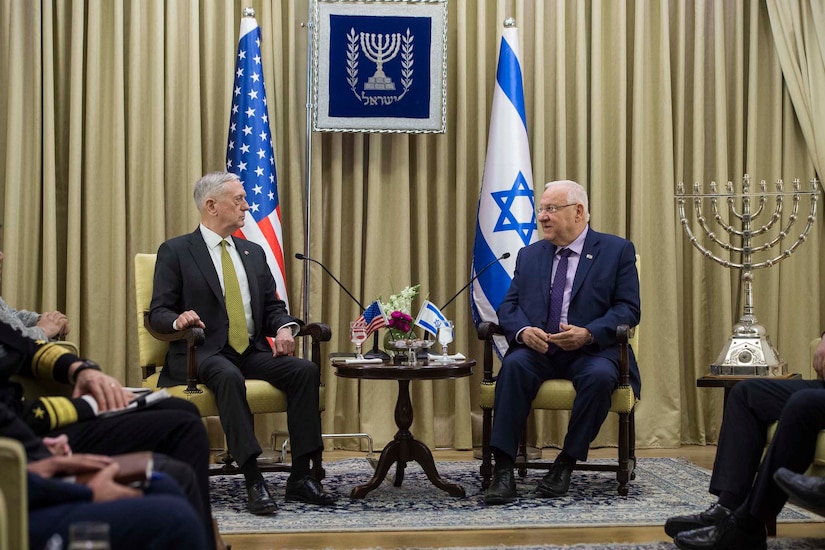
249,153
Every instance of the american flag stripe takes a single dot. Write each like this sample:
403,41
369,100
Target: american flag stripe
249,153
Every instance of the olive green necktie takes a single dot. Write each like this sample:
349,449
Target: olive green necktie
238,336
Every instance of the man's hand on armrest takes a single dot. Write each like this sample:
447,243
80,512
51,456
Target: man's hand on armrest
188,319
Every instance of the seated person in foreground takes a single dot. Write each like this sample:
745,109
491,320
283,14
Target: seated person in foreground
172,428
567,333
157,516
748,495
49,325
222,284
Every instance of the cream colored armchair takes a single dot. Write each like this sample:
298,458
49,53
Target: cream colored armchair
14,519
262,396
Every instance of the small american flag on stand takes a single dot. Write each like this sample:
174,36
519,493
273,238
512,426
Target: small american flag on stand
249,152
373,317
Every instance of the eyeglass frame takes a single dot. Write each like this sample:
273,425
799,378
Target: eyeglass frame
552,209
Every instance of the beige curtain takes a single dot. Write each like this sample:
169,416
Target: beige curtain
113,108
800,47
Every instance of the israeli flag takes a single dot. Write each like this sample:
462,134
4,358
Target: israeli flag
430,318
506,206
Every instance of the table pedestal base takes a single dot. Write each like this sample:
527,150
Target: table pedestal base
405,448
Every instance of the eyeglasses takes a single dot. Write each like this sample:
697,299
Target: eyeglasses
551,209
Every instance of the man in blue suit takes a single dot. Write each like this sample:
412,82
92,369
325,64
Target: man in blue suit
562,327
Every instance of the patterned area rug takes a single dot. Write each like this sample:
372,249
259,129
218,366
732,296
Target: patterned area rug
663,487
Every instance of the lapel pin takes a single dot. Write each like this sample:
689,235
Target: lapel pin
246,252
590,256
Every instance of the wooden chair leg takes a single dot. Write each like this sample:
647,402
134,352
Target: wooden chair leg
521,455
486,469
623,473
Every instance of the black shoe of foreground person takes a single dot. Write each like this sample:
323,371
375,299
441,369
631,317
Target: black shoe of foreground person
502,488
714,515
728,535
806,491
260,502
556,482
309,490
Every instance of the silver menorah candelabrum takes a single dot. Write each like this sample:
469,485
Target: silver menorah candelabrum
748,351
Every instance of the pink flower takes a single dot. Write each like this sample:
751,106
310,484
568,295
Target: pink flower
400,321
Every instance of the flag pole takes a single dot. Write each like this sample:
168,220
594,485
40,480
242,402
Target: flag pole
310,26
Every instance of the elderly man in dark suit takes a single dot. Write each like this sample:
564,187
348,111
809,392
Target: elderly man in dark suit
569,293
223,284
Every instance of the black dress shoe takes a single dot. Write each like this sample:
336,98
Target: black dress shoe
728,535
710,517
502,488
556,482
309,490
260,502
806,491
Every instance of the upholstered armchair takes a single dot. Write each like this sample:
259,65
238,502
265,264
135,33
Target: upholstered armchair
262,396
14,522
558,395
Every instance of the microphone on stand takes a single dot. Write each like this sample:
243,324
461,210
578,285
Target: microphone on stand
375,352
476,276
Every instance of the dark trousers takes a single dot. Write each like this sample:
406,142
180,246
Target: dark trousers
753,405
225,374
522,373
172,427
160,519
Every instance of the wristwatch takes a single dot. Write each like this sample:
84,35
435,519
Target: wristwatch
86,364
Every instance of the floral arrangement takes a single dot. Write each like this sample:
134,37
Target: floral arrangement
399,308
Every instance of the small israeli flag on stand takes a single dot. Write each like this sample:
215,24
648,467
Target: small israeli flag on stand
430,318
506,206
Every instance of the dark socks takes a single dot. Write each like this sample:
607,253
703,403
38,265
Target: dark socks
251,472
300,468
729,500
503,461
565,458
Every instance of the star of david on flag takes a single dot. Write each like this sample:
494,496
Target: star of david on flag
249,153
506,206
373,317
430,318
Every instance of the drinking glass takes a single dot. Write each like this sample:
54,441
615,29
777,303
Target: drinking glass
357,335
89,535
445,336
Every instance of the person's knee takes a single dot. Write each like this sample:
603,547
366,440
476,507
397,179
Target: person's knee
803,405
310,372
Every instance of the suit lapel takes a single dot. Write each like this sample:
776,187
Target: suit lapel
590,251
203,262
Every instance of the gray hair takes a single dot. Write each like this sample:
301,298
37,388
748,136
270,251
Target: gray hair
212,185
575,194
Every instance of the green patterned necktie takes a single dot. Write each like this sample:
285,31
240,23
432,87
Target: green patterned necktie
238,336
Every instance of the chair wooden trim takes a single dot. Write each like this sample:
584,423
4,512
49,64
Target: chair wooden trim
623,406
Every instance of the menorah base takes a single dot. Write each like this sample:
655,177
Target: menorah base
749,356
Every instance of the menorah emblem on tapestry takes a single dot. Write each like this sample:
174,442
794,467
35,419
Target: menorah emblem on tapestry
380,49
748,351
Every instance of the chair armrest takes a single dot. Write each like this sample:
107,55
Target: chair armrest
486,331
194,339
318,332
623,335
